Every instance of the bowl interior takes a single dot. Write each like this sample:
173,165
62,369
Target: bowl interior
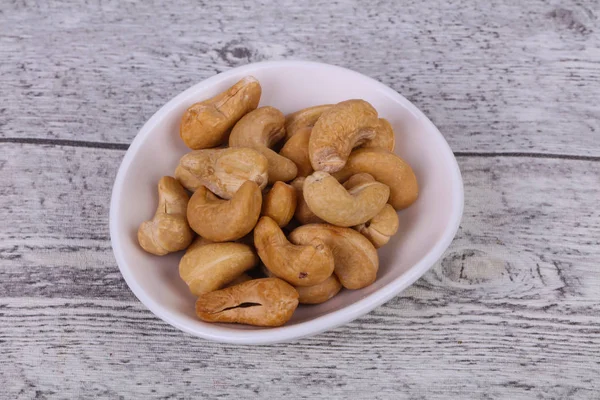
289,87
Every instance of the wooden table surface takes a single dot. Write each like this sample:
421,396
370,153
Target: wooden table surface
511,311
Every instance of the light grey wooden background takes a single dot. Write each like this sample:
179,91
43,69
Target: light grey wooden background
511,311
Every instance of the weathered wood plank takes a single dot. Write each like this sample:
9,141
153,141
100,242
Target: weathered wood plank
504,76
91,348
511,311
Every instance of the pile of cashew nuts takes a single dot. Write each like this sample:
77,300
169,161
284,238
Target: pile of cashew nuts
265,230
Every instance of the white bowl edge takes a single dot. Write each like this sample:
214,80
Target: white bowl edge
318,324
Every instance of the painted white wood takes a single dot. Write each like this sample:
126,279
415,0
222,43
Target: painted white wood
507,75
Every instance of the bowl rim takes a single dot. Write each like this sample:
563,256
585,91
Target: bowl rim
324,322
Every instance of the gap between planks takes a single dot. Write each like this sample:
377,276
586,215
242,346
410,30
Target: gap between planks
124,147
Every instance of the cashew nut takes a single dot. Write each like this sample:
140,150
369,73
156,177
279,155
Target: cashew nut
225,220
381,227
261,129
223,171
296,149
304,265
206,124
187,179
384,136
211,266
341,128
305,118
321,292
387,168
260,302
330,201
357,180
280,203
315,294
303,214
356,260
168,231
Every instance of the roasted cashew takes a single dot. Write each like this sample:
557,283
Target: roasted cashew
280,203
305,118
384,136
187,179
225,220
261,129
381,227
341,128
210,266
387,168
259,302
296,149
304,265
206,124
315,294
303,214
330,201
356,261
356,181
319,293
168,231
223,171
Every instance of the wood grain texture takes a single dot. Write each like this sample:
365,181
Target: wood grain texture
511,311
505,76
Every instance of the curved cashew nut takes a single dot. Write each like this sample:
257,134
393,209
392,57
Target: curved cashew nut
315,294
187,179
211,266
384,136
330,201
206,124
303,213
223,171
341,128
387,168
225,220
168,231
304,265
381,227
259,302
305,118
280,203
356,260
296,149
261,129
358,180
321,292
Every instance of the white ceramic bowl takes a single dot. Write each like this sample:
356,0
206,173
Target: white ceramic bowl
426,228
